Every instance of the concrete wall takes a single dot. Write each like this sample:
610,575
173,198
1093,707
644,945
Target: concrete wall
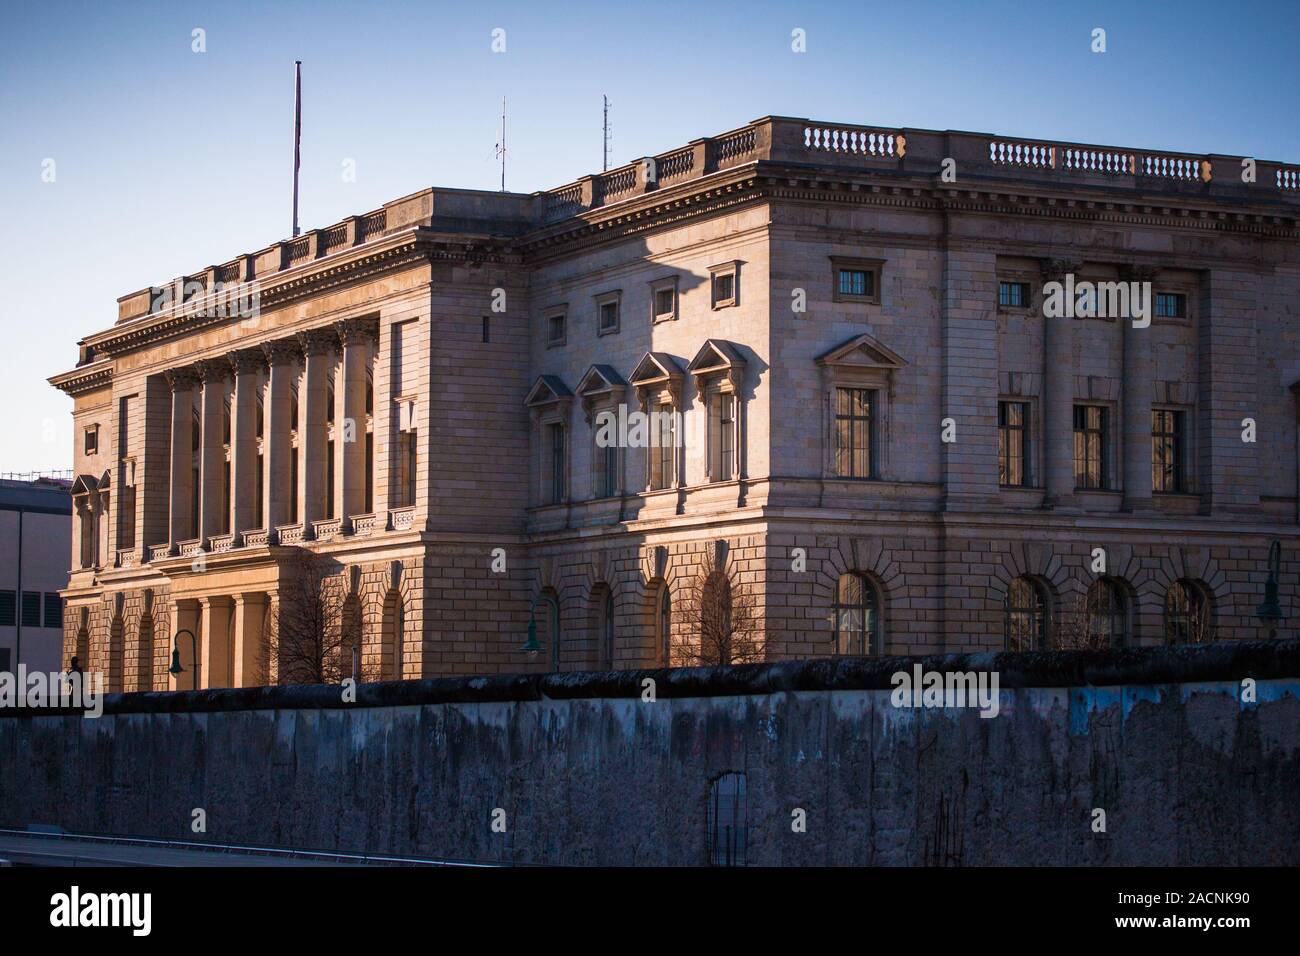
588,772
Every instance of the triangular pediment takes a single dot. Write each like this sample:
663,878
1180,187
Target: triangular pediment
600,378
656,367
862,351
547,389
715,355
84,485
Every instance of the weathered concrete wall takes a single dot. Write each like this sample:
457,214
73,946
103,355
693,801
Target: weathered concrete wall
590,773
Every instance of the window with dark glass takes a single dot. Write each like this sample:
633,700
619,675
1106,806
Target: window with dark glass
1026,613
1167,450
555,329
1013,295
854,432
724,288
1013,444
856,615
726,435
31,609
1171,305
857,282
609,315
665,444
1187,614
1108,621
1091,433
8,608
665,302
556,433
609,475
53,611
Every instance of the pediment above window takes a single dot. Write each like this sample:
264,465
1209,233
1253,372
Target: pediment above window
547,390
656,368
84,485
600,380
714,356
862,352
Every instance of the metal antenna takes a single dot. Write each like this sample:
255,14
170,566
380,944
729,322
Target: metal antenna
297,136
501,146
605,166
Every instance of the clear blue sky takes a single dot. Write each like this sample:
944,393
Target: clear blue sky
167,160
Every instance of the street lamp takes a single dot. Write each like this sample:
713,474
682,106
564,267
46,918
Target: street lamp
176,669
531,647
1270,611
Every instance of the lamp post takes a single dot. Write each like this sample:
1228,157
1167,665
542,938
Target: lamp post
531,647
1269,611
176,669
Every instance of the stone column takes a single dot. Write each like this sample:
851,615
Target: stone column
249,641
1058,394
212,456
357,337
313,405
214,650
277,444
1138,386
247,365
182,382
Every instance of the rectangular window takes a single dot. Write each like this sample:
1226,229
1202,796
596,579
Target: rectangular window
726,437
609,316
412,458
53,611
1091,437
854,432
126,538
31,609
556,442
8,608
1013,444
259,517
664,446
857,283
92,440
329,479
1168,447
1171,305
724,289
1013,295
665,303
609,477
555,329
487,329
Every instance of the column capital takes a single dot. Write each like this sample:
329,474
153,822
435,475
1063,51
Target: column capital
245,361
318,341
357,331
281,351
1057,267
214,371
182,379
1139,273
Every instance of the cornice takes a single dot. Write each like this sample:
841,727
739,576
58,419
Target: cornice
87,378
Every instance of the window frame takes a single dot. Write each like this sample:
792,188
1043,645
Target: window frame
1025,429
614,298
90,440
870,420
1102,432
868,606
873,267
665,284
1179,437
558,313
1019,307
1040,624
722,271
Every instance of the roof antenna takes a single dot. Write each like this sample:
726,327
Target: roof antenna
297,137
605,167
501,146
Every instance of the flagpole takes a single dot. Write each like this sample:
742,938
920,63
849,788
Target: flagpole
297,136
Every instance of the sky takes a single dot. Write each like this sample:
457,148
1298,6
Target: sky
167,159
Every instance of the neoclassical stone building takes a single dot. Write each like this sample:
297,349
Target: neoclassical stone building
864,417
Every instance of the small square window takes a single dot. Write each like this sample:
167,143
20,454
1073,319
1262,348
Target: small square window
1171,305
92,440
856,280
664,300
1013,295
724,284
555,329
608,307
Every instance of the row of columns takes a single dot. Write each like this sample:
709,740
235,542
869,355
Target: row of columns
1059,370
279,361
230,639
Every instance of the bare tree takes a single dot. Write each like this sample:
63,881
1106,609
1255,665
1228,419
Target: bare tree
314,633
1079,626
721,620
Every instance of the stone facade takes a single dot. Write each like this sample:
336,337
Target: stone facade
417,396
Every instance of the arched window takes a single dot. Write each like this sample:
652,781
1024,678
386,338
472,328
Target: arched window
1026,607
857,615
664,625
144,653
607,630
390,665
1187,614
1108,613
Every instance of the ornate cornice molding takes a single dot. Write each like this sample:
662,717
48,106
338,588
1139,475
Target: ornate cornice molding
87,378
